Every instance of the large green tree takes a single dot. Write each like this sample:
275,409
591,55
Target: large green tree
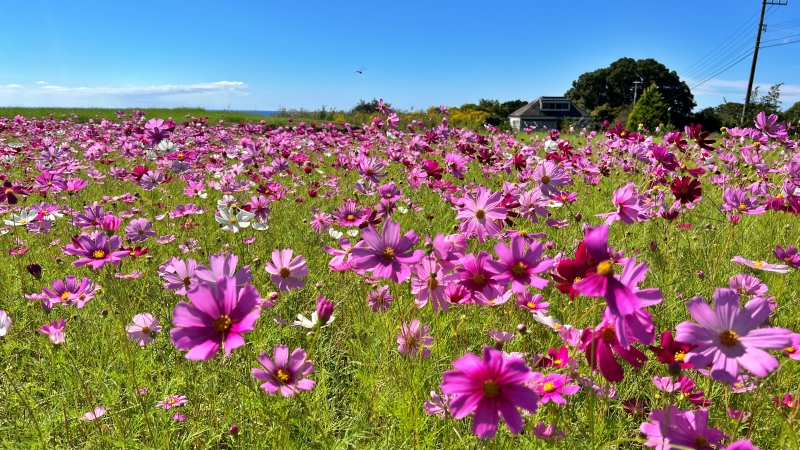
613,85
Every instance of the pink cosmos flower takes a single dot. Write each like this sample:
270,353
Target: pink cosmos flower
683,429
179,275
95,413
549,176
97,250
601,343
172,402
748,285
792,351
429,284
488,387
285,373
478,216
518,266
70,292
727,336
388,255
476,276
532,302
143,328
217,316
761,265
627,203
415,340
341,258
223,265
380,299
139,230
770,127
55,330
5,323
552,387
437,405
286,270
548,432
790,256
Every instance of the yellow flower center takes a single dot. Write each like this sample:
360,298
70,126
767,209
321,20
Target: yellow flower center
490,388
65,296
728,338
680,356
22,221
99,254
742,207
283,375
9,190
549,387
284,272
577,279
388,253
351,217
545,179
701,442
480,214
558,362
479,278
606,268
223,324
758,263
523,233
233,220
531,305
146,330
519,268
388,195
790,350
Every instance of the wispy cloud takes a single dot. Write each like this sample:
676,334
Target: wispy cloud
735,90
212,95
164,89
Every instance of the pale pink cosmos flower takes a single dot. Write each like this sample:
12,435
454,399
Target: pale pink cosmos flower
143,328
55,330
429,284
172,402
761,265
285,374
414,340
96,413
627,203
5,323
287,271
437,405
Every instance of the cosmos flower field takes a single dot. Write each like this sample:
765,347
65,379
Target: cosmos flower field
177,283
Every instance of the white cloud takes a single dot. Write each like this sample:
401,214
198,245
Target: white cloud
11,86
42,82
219,94
715,90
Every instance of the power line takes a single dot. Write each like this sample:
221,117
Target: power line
784,43
721,44
719,58
778,39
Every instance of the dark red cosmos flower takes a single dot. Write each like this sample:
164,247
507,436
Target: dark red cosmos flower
696,132
433,169
136,251
672,351
519,162
567,273
686,189
8,191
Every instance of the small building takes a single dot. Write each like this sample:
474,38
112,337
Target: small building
548,112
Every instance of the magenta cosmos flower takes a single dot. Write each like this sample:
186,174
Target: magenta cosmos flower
478,216
97,251
552,387
518,266
684,429
285,270
430,283
70,291
55,330
389,255
285,373
488,387
218,315
727,336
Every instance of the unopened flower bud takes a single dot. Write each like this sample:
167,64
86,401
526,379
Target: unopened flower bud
701,274
522,328
324,310
234,430
35,270
674,368
653,245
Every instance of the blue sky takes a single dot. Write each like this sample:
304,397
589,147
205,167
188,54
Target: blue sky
268,54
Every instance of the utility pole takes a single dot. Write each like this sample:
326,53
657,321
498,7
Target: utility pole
761,28
635,88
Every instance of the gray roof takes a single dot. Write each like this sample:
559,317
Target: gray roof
533,109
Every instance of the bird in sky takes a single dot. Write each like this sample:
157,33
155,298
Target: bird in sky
361,70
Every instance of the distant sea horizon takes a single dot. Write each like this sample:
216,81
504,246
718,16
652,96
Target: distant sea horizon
257,112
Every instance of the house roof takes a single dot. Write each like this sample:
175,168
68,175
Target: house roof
533,109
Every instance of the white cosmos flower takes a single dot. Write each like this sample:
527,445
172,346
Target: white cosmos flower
310,323
25,216
551,322
335,234
167,146
233,222
259,226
